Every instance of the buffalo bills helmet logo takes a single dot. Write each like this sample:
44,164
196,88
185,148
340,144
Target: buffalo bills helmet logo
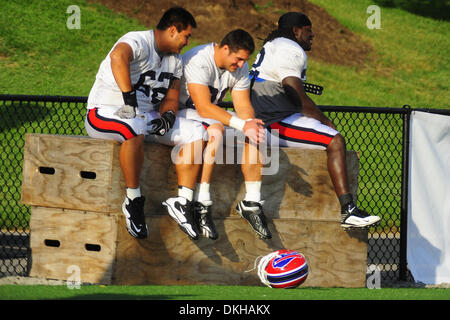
284,269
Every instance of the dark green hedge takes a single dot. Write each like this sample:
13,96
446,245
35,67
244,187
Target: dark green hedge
438,9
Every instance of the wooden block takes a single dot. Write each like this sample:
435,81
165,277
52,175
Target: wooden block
301,188
61,238
72,172
169,257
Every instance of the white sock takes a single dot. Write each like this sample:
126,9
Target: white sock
203,192
253,191
133,193
185,192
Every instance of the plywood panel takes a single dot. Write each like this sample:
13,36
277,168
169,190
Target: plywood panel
72,172
168,256
61,238
301,188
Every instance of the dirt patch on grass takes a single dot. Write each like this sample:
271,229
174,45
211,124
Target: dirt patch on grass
333,42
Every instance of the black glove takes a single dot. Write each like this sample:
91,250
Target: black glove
161,125
128,111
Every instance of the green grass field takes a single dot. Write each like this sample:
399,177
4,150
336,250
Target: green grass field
203,292
39,55
411,64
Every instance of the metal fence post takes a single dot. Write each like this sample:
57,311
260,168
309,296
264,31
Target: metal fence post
404,193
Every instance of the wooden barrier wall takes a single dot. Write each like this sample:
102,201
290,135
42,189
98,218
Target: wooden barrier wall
76,189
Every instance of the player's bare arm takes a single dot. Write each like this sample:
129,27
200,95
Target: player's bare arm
201,97
168,110
170,101
295,92
121,56
242,105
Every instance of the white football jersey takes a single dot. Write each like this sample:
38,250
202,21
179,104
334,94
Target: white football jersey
150,74
280,58
199,67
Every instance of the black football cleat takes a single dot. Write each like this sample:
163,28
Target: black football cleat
135,218
206,223
182,211
353,217
253,213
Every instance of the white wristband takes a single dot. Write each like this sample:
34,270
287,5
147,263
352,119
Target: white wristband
237,123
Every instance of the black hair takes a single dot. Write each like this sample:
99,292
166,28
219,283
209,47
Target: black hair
178,17
285,26
281,33
238,40
293,19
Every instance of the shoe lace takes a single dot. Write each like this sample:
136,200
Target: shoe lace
203,213
359,213
189,208
200,208
352,210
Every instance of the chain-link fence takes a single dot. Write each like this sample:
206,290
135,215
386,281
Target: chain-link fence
379,134
20,115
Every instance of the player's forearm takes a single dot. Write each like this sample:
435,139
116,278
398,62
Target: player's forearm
310,109
169,104
171,100
295,93
121,75
245,111
242,104
212,111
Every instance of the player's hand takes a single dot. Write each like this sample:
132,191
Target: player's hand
126,112
161,125
254,130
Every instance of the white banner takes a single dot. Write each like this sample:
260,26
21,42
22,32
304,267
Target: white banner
428,230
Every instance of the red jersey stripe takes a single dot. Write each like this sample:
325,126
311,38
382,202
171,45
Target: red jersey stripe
301,135
110,125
